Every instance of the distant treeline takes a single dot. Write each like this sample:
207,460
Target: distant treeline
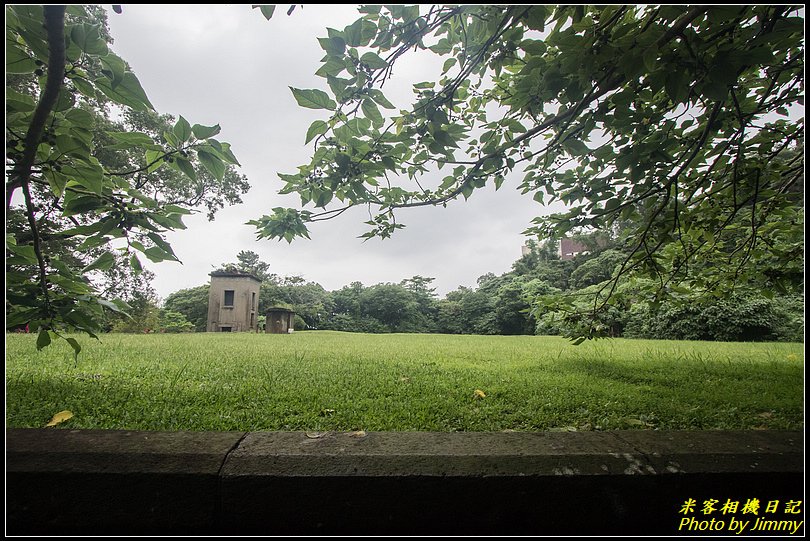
521,301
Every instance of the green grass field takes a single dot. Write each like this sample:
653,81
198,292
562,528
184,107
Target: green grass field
338,381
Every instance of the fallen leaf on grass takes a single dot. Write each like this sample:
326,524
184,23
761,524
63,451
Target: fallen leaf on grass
563,429
60,417
478,394
638,422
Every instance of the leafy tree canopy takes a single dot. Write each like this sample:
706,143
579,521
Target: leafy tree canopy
192,303
250,262
107,189
673,121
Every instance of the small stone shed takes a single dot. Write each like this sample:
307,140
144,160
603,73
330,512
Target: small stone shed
233,301
280,320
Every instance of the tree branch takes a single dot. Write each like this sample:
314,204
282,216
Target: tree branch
21,174
55,27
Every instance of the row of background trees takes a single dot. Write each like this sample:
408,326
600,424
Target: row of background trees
669,126
523,301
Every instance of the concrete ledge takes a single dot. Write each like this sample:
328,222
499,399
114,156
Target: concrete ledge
624,482
113,482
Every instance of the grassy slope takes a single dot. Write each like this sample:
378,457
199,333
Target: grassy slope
339,381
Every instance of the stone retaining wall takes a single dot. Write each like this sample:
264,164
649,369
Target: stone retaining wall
623,482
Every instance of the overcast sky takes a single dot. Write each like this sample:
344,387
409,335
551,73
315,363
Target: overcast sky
228,65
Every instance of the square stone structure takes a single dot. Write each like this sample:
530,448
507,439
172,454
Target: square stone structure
280,320
569,248
233,301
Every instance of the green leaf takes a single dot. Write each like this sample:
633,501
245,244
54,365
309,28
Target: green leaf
80,118
88,174
359,33
156,255
267,10
358,126
25,251
204,132
16,101
162,244
331,68
319,127
110,305
380,98
76,348
185,167
154,159
171,138
442,48
323,198
76,204
212,163
174,209
612,204
334,46
169,221
44,339
373,61
715,91
447,181
135,263
131,139
576,147
467,190
313,99
89,40
113,67
128,92
372,113
650,58
104,262
17,60
223,150
182,129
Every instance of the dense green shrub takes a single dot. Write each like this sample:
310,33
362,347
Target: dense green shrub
347,323
192,303
789,315
174,322
299,324
737,319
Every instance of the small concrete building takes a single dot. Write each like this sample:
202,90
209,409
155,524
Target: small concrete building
280,320
233,300
569,248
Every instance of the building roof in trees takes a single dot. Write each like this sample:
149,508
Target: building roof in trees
280,309
233,273
569,248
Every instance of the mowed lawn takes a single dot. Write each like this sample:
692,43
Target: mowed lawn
321,380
